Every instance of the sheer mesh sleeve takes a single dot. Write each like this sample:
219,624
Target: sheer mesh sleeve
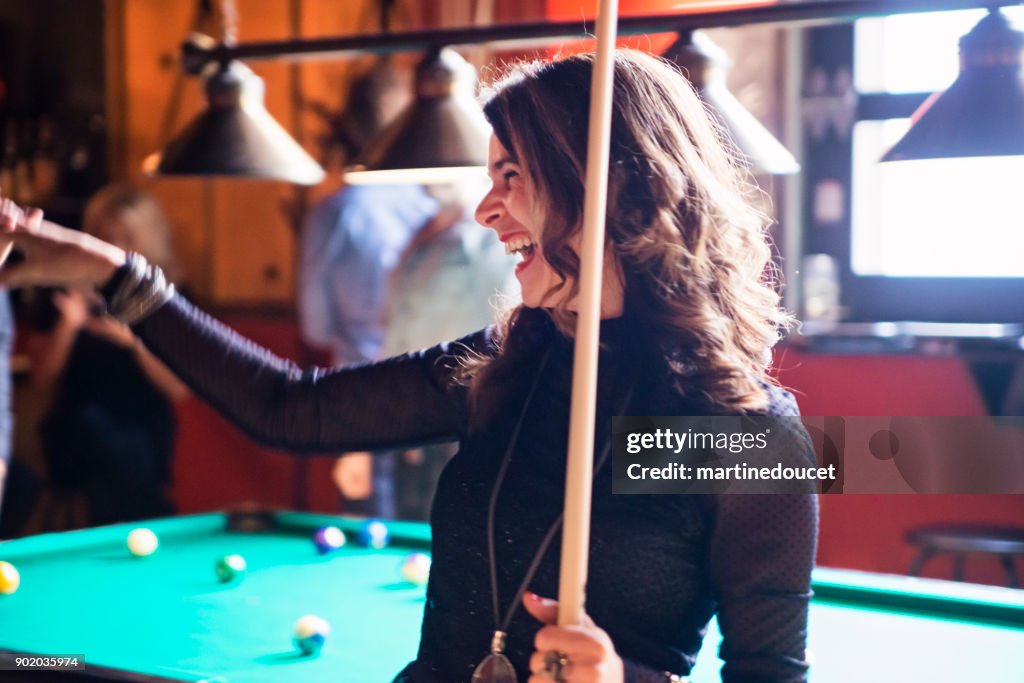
761,556
398,402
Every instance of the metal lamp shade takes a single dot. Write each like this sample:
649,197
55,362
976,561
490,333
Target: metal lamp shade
705,64
441,137
235,136
982,113
761,150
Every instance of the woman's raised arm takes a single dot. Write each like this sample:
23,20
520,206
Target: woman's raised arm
410,399
402,401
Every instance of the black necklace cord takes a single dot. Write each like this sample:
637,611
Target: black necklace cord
502,624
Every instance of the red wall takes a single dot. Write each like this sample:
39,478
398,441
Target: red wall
867,531
216,466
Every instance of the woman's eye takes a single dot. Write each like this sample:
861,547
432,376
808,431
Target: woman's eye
509,175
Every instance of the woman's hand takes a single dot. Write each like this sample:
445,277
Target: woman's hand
52,255
586,651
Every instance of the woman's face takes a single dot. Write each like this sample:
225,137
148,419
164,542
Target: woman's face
508,209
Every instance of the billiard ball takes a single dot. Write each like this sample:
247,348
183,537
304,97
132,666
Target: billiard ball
231,568
328,538
310,633
373,534
141,542
10,579
416,568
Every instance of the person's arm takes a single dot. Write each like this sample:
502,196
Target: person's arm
159,374
762,553
398,402
402,401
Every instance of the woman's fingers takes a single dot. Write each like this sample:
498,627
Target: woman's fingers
12,220
543,610
53,255
539,660
34,219
583,645
575,654
11,215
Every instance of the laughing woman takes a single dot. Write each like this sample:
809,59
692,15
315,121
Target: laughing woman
688,322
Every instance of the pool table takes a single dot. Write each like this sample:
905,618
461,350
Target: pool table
167,618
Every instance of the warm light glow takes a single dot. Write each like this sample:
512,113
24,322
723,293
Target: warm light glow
910,53
696,6
417,176
151,163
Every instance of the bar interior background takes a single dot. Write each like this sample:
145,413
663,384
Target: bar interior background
88,99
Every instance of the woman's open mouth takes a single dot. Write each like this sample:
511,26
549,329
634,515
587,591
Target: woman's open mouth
521,245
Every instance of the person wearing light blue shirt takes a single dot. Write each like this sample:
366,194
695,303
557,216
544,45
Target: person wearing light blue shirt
385,269
448,283
351,242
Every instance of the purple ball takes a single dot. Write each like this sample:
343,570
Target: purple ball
328,539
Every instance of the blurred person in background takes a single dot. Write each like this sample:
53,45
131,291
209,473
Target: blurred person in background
6,418
447,259
109,436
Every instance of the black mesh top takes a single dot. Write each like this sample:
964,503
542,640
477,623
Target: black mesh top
660,565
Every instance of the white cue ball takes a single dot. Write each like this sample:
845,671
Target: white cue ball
142,542
311,632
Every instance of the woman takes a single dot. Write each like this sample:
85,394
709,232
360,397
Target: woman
110,433
688,325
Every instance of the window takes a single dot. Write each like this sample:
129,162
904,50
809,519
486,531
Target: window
910,219
927,240
935,218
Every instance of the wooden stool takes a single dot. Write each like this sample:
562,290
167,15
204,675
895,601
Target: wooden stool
961,539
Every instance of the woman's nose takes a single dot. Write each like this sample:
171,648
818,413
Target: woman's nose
490,210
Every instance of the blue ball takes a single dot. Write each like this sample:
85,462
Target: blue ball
328,539
373,534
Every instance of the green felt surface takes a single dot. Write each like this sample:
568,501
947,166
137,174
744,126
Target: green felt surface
897,629
166,616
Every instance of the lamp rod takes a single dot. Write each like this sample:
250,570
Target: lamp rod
195,57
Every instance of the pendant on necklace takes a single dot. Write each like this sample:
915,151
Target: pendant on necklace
495,668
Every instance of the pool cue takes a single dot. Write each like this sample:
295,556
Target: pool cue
580,467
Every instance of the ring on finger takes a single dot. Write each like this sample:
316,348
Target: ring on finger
555,664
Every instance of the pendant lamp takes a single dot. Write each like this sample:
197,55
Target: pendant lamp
440,137
982,113
705,64
235,136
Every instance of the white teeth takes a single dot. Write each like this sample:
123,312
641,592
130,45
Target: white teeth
519,244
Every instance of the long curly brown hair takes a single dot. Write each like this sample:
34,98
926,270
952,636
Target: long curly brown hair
682,223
